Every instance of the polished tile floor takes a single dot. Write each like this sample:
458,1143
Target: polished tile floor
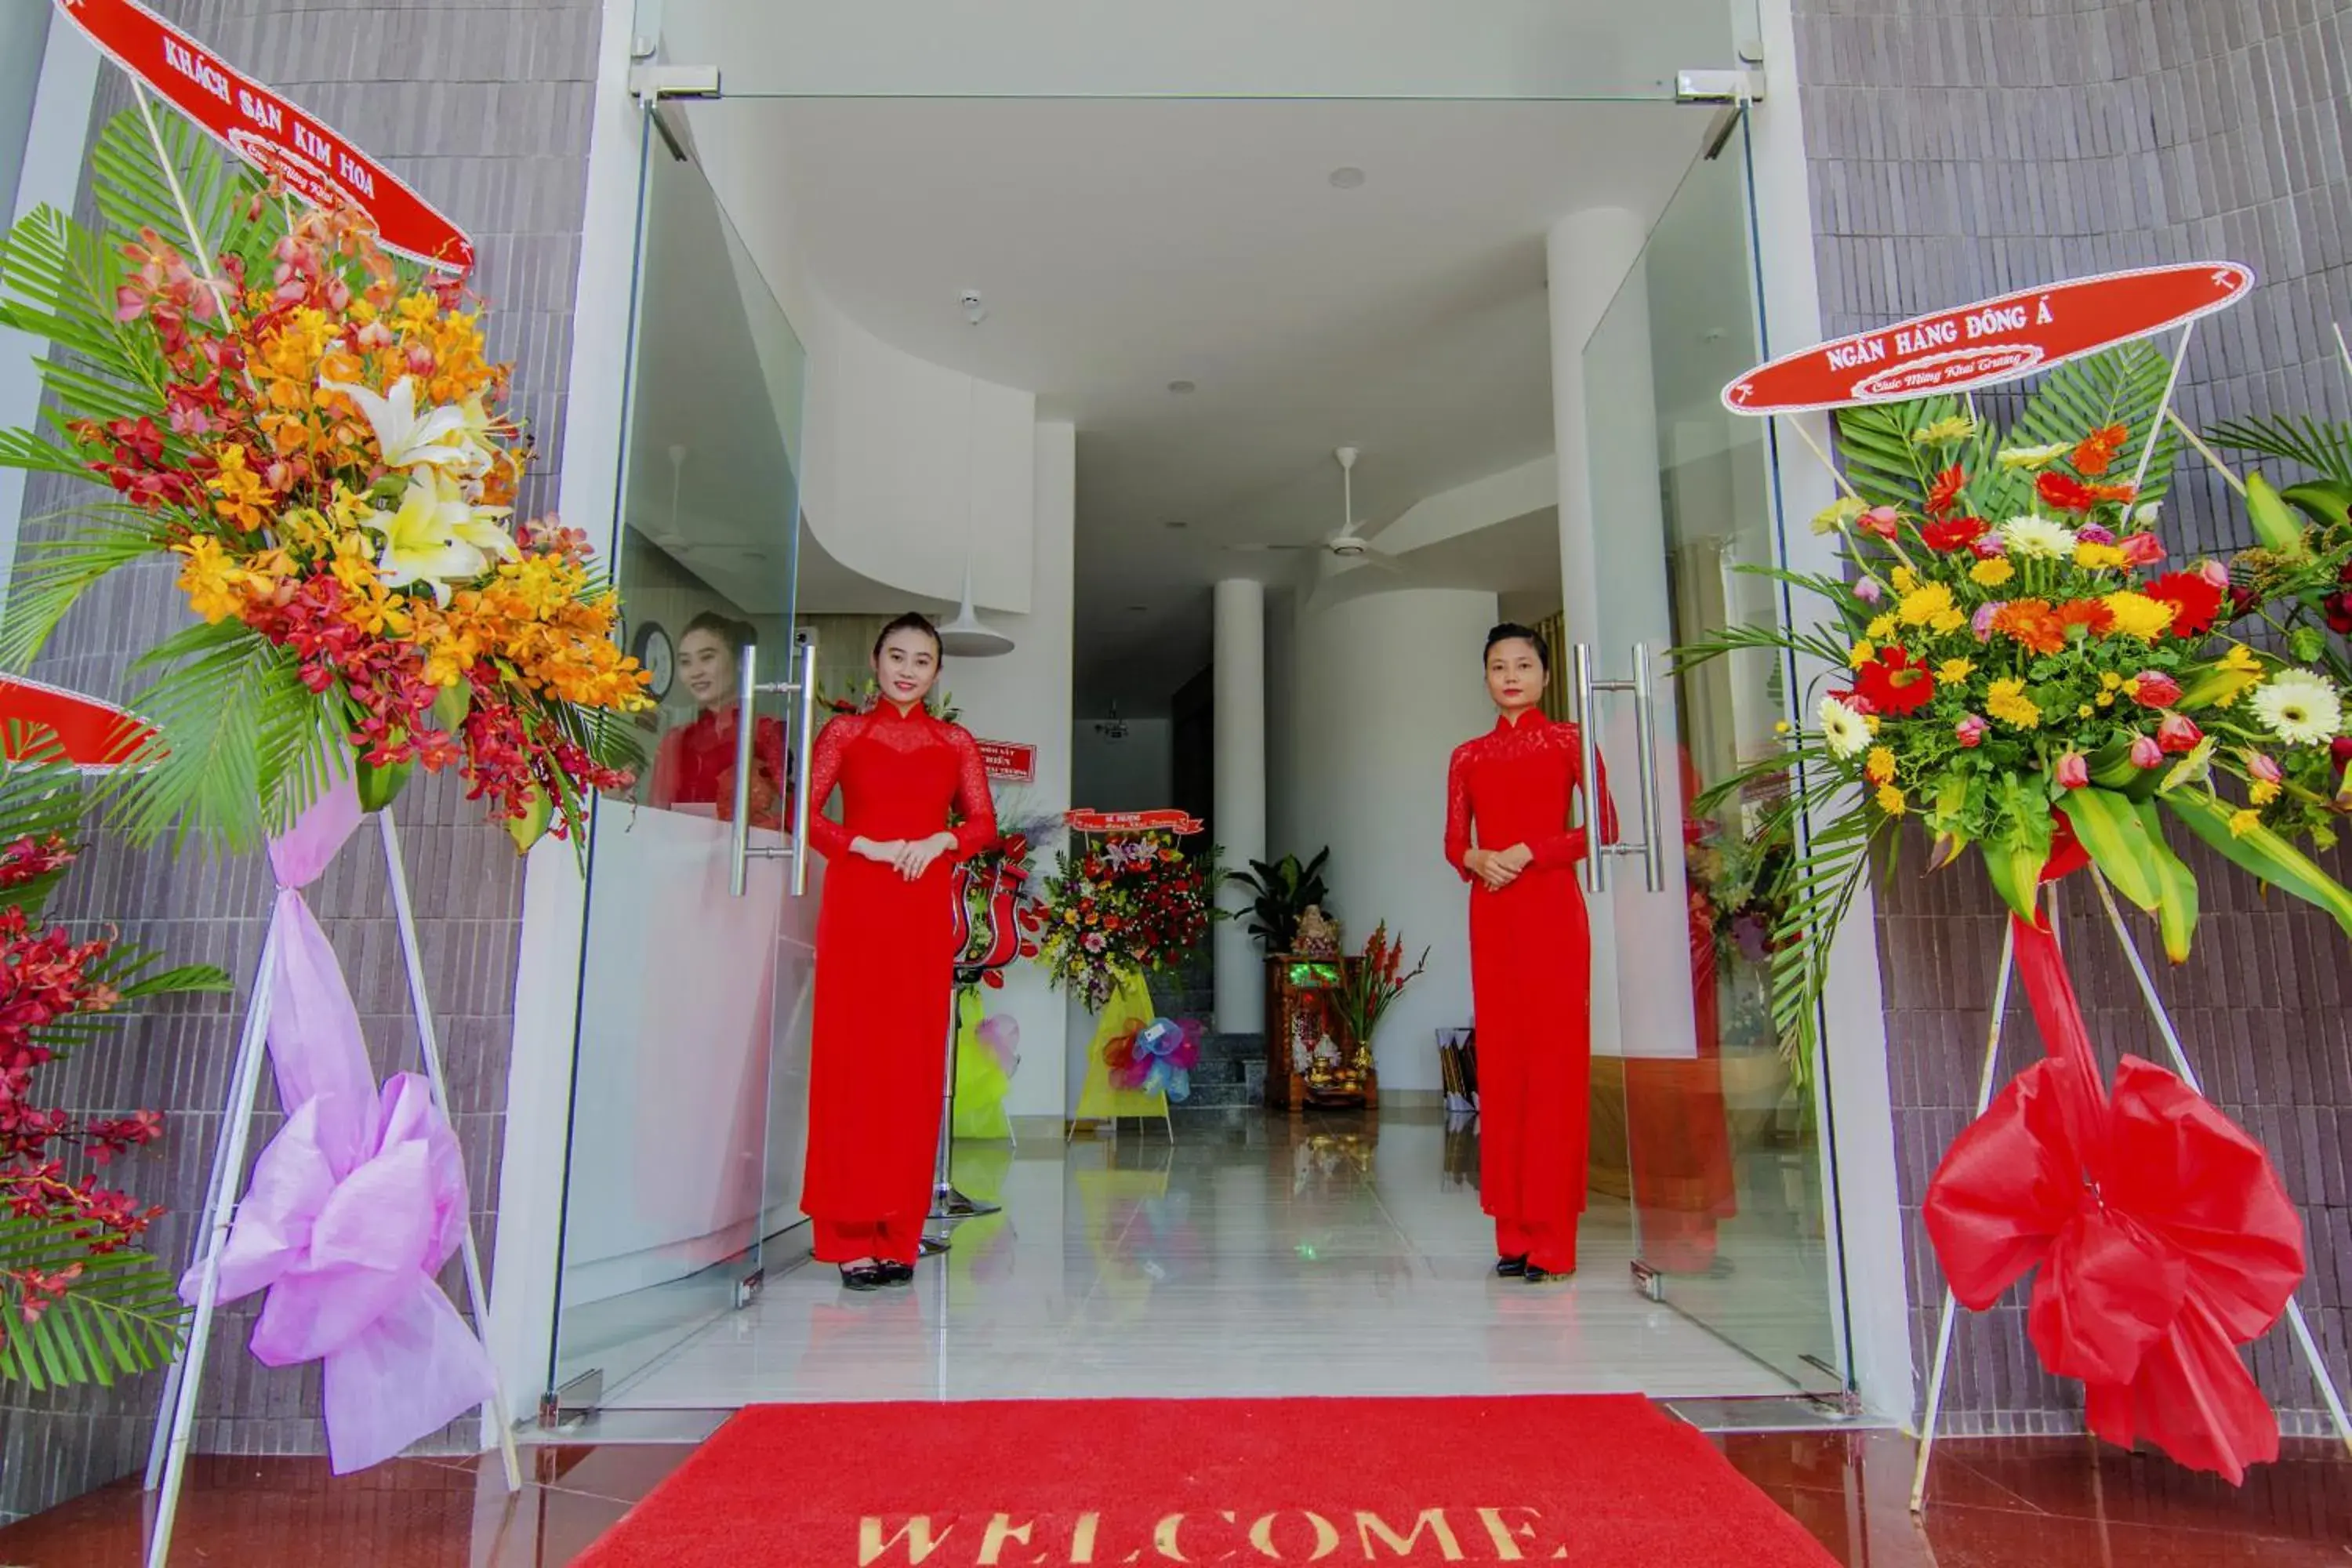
1995,1503
1259,1257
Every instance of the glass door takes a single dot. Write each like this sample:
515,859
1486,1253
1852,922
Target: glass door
689,1074
1734,1217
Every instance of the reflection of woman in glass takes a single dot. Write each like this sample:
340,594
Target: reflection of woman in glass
885,958
1530,958
696,764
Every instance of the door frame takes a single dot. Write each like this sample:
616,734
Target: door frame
1874,1293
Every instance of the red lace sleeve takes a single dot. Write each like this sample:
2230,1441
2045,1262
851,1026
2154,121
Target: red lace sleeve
972,800
1457,812
1571,845
829,838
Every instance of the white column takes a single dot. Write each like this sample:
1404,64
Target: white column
1587,256
1240,677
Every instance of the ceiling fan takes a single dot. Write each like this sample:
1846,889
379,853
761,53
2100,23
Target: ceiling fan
1346,545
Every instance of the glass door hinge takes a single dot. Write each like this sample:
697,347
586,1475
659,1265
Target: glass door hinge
649,82
1733,85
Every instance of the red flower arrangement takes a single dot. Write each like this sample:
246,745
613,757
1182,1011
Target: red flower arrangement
1122,904
77,1301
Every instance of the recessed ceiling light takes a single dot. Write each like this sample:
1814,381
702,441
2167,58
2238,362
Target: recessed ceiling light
1175,522
1183,388
1347,178
1138,609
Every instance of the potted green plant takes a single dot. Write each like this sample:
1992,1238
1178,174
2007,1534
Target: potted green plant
1279,894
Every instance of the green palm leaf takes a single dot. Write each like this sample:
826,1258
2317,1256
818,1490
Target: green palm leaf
52,573
1885,466
2323,445
122,1314
242,744
134,192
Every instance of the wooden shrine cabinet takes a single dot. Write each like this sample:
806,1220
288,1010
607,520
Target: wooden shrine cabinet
1299,1016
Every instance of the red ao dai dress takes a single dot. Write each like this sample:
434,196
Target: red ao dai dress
1530,981
885,974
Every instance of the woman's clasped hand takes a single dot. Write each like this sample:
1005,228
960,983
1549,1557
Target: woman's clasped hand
1498,868
910,857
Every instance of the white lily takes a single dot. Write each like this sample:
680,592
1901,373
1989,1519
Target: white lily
407,439
485,528
422,540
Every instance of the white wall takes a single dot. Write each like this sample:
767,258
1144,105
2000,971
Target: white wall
1024,696
905,460
1137,773
1383,689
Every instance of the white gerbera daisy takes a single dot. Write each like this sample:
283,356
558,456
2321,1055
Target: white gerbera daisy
2300,708
2038,539
1843,731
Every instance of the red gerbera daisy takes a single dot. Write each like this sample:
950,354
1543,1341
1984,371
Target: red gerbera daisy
1945,491
1954,532
1895,683
2066,492
2195,602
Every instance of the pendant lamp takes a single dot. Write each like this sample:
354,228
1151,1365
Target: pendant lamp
967,636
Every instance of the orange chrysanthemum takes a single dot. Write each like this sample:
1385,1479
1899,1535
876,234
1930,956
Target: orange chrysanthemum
2088,614
2033,624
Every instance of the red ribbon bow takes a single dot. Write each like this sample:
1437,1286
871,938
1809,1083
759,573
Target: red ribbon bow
2163,1236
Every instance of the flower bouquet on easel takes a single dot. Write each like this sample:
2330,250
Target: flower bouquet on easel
1126,900
309,433
2028,673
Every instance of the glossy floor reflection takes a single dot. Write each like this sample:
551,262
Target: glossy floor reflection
1256,1257
1994,1503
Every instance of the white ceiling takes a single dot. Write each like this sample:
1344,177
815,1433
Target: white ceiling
1125,245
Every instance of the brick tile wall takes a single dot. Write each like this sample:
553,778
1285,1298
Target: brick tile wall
1962,148
427,86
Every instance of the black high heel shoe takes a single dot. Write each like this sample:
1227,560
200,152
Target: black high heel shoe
866,1275
1536,1274
896,1273
1511,1267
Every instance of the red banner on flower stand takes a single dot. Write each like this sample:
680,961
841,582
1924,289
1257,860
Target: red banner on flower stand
1990,341
92,735
1163,821
275,136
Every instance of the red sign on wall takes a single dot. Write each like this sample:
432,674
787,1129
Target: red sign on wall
1132,822
1990,341
273,136
1015,761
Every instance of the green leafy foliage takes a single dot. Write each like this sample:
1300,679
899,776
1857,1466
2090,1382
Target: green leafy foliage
1282,891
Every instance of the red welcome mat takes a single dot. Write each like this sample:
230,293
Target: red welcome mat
1600,1480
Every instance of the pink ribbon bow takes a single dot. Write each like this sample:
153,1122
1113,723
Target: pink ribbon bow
347,1243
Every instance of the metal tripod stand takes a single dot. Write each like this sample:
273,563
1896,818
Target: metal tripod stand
947,1202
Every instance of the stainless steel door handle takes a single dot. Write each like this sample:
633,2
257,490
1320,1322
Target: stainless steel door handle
1650,846
747,721
801,802
1596,853
1646,735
